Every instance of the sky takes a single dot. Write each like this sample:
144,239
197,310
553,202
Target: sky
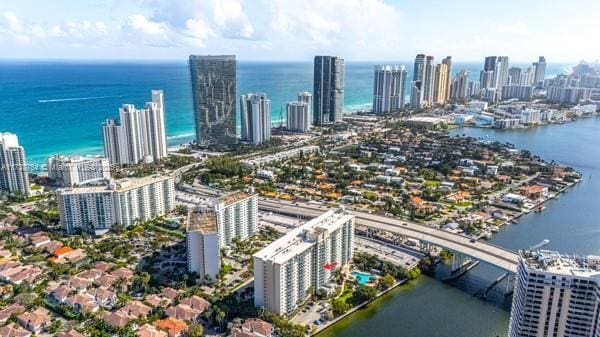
283,30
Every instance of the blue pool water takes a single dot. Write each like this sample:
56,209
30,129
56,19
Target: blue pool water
363,278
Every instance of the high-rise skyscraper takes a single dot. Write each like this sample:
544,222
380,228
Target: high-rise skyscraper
298,116
303,259
328,93
214,96
460,86
448,62
540,72
555,296
417,85
388,88
307,98
502,66
256,117
440,83
514,76
140,134
428,81
13,167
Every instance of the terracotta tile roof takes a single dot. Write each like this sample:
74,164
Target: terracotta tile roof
172,325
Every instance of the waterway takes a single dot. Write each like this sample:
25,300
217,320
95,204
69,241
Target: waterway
429,307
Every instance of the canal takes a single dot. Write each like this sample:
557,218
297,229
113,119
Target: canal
429,307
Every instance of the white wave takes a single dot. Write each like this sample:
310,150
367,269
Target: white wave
358,107
73,99
183,135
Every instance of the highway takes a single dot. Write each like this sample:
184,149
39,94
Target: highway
482,251
479,250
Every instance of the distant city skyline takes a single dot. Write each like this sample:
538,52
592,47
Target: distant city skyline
358,30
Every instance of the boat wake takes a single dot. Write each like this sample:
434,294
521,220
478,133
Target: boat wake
74,99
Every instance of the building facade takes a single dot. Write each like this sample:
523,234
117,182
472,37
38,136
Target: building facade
75,170
202,240
13,166
328,91
237,216
555,296
298,116
388,88
140,134
303,259
214,98
121,202
255,109
540,72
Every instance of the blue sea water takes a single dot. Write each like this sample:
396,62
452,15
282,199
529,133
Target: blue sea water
58,107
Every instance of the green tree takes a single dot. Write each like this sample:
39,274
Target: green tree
385,282
340,306
195,330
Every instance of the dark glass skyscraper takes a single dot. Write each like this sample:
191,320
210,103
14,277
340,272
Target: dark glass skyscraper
214,97
328,93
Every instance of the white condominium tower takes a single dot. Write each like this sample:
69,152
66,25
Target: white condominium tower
139,136
388,88
76,170
303,259
237,216
540,72
307,97
124,202
13,167
234,216
202,238
256,117
555,296
298,116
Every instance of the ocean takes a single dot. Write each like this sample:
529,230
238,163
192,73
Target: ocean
58,107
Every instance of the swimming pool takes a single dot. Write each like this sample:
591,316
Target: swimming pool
363,278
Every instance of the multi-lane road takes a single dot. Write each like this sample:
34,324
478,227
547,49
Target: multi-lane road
482,251
479,250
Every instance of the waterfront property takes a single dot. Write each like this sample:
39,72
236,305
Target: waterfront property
303,259
13,176
556,295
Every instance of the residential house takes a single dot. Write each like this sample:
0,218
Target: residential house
70,333
13,330
148,330
173,326
35,321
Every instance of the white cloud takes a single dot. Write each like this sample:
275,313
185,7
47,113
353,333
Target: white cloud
342,26
230,18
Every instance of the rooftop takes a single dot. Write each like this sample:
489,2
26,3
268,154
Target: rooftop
233,197
116,185
556,263
303,237
205,222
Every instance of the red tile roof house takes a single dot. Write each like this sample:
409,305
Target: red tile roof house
70,333
106,281
20,274
91,274
173,326
104,266
60,294
196,302
35,321
14,308
79,283
184,312
258,327
104,297
117,318
157,301
13,330
170,293
148,330
85,303
39,240
136,309
122,272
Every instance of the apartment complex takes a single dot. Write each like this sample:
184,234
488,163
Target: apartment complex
298,116
234,216
328,93
139,135
388,88
214,95
255,110
123,202
202,239
237,216
13,167
556,295
75,170
303,259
